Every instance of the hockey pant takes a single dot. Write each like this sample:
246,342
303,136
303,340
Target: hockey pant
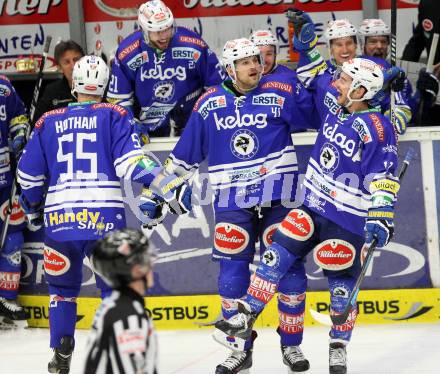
10,255
236,233
63,262
298,234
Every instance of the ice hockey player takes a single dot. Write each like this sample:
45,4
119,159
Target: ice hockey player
374,37
13,128
268,45
350,190
243,128
342,43
70,174
165,68
123,339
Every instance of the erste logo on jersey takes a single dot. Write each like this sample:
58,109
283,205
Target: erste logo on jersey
244,144
258,120
137,61
185,53
164,91
212,103
362,129
331,103
209,91
268,99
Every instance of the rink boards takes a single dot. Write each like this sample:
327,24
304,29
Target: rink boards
193,312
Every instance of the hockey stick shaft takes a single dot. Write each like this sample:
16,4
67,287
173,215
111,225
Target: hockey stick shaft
339,319
429,66
393,55
36,94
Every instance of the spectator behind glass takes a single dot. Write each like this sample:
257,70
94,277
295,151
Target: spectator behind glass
57,94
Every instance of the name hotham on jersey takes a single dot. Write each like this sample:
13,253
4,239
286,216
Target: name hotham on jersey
86,123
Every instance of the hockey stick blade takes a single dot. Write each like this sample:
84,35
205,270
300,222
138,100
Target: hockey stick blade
323,319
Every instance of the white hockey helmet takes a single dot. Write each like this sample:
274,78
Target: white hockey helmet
365,73
237,49
155,16
339,28
373,27
264,37
90,76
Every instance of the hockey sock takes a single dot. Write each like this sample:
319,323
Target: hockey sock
10,266
340,289
62,318
275,262
291,305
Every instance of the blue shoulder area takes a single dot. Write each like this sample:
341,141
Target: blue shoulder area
210,92
380,126
130,45
189,38
384,64
5,80
281,69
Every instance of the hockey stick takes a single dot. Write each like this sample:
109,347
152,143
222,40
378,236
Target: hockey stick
5,226
429,66
393,54
339,319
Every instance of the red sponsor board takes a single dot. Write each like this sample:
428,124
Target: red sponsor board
109,10
18,12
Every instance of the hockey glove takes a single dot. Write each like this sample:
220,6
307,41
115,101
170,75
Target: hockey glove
18,142
394,77
305,37
176,192
151,207
428,85
380,225
34,213
401,118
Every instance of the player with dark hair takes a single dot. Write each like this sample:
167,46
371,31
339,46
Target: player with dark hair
123,339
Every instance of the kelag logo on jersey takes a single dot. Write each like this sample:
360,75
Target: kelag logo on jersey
137,61
164,91
244,144
211,104
245,120
158,72
340,139
185,53
268,99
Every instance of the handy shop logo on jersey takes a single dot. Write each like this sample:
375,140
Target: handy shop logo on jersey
83,216
246,120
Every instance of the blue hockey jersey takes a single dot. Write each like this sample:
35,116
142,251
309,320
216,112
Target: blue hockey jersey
12,119
350,151
163,80
73,161
247,141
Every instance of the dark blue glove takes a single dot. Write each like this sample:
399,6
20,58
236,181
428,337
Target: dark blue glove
305,37
151,207
18,142
176,192
34,213
428,85
394,77
142,130
379,225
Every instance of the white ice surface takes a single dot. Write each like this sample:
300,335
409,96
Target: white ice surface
375,349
